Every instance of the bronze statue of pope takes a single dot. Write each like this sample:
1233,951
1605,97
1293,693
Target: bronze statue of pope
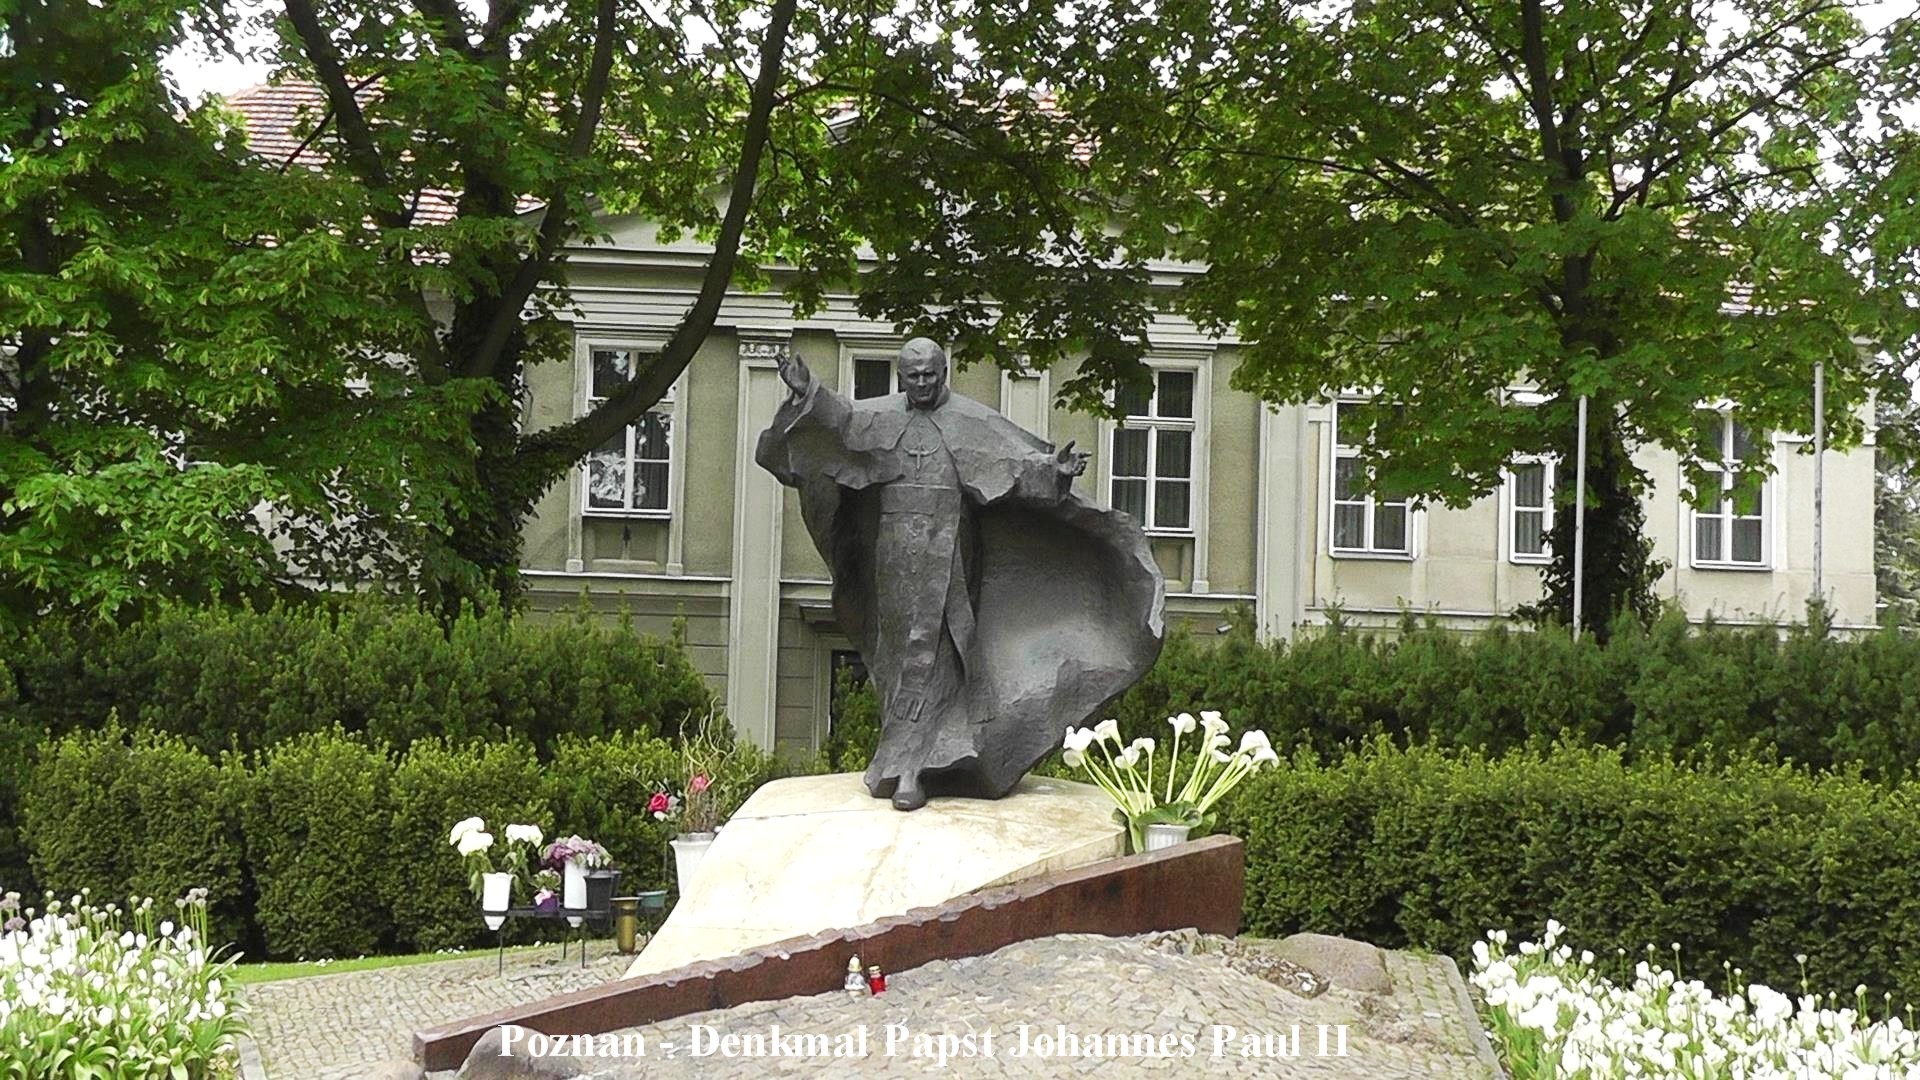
994,606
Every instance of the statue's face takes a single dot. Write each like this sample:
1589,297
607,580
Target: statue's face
922,375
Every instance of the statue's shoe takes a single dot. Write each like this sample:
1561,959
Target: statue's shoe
909,797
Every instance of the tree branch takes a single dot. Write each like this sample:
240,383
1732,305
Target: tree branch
453,24
363,157
502,17
555,449
363,160
559,212
1539,91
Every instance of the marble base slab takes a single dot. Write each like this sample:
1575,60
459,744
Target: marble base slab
814,853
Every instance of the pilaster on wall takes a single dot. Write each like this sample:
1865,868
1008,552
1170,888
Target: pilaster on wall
753,632
1282,505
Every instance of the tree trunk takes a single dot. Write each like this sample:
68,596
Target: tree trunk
477,564
1619,569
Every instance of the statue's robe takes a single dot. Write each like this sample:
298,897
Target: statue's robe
993,606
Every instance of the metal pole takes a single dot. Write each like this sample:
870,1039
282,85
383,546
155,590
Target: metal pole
1819,476
1579,515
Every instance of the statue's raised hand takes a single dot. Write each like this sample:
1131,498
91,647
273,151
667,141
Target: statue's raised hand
1071,462
795,373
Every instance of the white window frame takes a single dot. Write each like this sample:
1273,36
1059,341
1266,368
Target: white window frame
1371,502
857,347
1725,468
1511,510
672,405
1196,451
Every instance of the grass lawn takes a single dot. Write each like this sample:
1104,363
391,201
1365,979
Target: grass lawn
274,971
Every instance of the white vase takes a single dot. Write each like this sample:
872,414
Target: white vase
496,894
573,890
1165,835
688,851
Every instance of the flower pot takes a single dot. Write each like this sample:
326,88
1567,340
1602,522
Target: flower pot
547,901
600,890
1164,835
496,894
688,850
573,890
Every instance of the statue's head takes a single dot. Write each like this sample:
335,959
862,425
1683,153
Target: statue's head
923,372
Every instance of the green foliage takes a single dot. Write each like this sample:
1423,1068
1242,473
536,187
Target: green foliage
1749,863
177,336
434,786
249,679
1633,202
317,819
598,788
138,815
1796,694
963,189
855,728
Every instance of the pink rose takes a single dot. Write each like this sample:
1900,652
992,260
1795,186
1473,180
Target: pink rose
699,784
657,804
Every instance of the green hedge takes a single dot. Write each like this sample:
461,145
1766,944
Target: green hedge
244,679
1750,863
426,888
343,844
127,816
1700,693
318,823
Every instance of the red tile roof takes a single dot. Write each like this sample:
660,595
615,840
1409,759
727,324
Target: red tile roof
279,119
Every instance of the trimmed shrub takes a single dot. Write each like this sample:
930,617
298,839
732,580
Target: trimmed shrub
245,679
317,818
433,787
598,788
856,727
1750,863
1672,692
138,815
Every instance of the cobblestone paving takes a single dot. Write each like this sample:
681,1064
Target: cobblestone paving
1033,1009
336,1027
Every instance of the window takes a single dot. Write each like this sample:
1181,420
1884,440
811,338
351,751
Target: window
1152,453
1529,509
1363,523
873,377
629,476
1732,529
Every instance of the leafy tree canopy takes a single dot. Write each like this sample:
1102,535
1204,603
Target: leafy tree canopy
786,134
172,329
1643,201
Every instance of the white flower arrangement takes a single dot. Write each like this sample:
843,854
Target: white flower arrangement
476,848
1115,766
1552,1013
113,993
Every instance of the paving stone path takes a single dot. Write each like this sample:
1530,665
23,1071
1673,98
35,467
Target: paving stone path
338,1027
1168,1004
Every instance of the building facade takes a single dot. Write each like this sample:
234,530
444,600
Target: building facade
1245,504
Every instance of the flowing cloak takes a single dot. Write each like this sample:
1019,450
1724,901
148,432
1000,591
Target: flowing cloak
1049,607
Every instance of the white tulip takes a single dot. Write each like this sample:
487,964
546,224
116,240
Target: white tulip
1108,729
1210,719
1074,757
1182,724
1144,745
1078,739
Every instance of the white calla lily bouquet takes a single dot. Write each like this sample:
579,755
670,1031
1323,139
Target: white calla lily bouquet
481,856
1127,771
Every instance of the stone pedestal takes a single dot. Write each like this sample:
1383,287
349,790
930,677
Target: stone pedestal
817,853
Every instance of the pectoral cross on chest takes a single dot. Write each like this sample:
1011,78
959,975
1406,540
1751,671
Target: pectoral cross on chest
921,446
